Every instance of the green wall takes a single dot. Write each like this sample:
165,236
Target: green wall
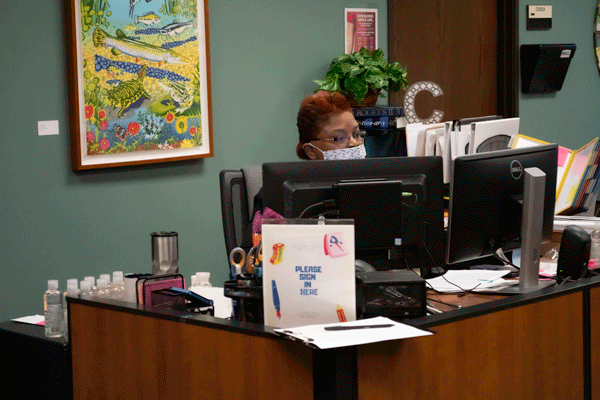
569,117
57,224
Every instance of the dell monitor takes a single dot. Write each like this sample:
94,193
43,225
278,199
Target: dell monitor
396,204
486,210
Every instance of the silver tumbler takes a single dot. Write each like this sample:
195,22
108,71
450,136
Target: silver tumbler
165,253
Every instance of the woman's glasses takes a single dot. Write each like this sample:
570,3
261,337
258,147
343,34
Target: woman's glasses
343,140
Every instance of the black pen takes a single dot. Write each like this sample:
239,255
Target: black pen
351,327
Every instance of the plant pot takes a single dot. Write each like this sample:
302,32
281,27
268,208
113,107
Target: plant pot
369,100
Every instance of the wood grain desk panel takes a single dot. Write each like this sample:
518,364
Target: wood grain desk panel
120,355
509,354
595,341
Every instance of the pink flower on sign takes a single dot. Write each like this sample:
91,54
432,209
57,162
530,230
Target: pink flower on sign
101,114
104,144
103,125
90,136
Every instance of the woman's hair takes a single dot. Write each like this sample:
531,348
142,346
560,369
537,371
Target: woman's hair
315,110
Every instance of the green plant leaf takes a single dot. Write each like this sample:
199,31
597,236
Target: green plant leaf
357,87
354,74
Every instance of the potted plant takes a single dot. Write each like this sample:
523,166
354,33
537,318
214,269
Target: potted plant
363,74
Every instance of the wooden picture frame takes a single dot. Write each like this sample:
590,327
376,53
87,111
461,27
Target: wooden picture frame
139,82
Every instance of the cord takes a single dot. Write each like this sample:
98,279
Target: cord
329,203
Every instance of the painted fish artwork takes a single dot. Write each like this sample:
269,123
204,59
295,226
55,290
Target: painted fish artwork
142,85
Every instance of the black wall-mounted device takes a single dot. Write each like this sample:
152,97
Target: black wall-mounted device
544,67
574,253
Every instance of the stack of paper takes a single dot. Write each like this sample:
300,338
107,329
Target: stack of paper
476,280
371,330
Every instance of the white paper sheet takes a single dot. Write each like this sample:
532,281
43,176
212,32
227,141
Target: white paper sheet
318,336
470,280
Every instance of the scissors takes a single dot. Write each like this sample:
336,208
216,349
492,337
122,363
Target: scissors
237,258
246,264
254,261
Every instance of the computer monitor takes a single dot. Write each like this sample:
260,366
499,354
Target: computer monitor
486,201
396,203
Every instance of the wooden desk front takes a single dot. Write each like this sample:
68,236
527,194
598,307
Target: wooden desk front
543,345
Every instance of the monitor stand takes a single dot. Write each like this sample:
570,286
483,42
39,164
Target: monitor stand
534,185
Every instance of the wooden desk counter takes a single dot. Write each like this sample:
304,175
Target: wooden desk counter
542,345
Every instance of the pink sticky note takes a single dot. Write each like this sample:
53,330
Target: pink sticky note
563,153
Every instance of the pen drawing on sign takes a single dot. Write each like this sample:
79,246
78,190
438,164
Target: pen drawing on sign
142,81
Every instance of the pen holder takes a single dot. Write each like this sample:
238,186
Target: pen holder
247,297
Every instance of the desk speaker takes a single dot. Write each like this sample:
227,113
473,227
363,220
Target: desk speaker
574,253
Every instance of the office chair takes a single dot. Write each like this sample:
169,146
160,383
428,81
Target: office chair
238,188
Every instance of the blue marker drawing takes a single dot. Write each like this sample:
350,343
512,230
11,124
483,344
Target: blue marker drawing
276,299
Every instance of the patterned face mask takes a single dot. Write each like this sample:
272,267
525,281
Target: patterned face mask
351,153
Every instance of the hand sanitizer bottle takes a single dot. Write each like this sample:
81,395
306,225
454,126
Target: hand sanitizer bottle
117,291
53,315
71,291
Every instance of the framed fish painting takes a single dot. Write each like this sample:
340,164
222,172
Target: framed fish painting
139,82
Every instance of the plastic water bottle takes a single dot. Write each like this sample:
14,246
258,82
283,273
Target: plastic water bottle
108,281
102,288
202,279
117,291
86,288
92,280
72,290
53,312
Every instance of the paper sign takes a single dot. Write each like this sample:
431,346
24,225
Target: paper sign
46,128
308,274
360,29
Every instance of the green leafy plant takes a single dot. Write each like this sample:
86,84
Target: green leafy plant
357,73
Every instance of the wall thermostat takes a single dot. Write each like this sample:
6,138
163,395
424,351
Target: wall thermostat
539,17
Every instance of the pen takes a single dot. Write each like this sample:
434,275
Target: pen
352,327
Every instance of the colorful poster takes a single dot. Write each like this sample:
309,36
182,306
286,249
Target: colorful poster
360,29
142,81
308,274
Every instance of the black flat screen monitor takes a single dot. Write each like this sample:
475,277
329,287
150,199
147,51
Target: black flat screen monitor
486,194
387,197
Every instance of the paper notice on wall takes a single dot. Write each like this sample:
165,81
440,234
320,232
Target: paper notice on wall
360,29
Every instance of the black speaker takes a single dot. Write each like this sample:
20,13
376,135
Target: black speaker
574,253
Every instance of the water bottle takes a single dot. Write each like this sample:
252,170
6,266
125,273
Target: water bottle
102,288
53,312
86,288
72,290
117,291
202,279
92,281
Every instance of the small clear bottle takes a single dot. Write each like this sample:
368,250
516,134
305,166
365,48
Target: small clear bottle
202,279
117,291
86,288
92,280
107,277
72,290
102,288
53,313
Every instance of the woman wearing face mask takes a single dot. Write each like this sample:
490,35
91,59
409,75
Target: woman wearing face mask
327,129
